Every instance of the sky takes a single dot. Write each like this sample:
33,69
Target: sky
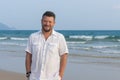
70,14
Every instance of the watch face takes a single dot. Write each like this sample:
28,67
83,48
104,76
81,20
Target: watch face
28,74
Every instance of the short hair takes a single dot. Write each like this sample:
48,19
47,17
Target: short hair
49,14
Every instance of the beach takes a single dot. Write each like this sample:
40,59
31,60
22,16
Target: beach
93,55
74,72
8,75
91,72
12,67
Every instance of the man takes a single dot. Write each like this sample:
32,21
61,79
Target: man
46,52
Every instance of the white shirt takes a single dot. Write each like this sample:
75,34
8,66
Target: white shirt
46,55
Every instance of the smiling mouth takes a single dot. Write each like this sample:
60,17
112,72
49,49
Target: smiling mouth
46,28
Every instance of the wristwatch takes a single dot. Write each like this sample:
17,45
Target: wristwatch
28,74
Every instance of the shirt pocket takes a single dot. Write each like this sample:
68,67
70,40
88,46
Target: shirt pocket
35,47
53,48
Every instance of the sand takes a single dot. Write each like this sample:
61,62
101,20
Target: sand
89,71
75,71
8,75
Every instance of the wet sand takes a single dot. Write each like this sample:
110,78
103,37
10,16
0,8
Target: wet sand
8,75
75,71
89,71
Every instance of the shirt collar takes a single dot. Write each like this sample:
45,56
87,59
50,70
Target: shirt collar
53,32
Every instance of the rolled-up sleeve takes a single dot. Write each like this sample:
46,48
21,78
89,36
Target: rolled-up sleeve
62,46
29,45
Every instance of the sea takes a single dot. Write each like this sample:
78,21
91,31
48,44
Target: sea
100,47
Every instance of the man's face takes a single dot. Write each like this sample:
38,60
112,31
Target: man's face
47,23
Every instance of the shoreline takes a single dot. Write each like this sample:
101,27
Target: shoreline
90,71
74,72
9,75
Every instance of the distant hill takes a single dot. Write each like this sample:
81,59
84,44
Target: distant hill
5,27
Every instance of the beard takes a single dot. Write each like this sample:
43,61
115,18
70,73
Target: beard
46,28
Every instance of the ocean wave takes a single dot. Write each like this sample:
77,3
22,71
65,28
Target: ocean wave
13,38
16,38
118,40
100,47
105,46
75,42
84,37
93,47
101,37
3,38
93,37
12,44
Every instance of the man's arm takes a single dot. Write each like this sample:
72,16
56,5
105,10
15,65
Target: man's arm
28,62
63,62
